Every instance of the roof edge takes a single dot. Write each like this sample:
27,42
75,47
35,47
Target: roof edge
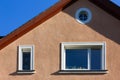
109,7
33,23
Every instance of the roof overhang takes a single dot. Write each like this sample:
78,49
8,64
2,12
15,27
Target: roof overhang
33,23
108,6
62,4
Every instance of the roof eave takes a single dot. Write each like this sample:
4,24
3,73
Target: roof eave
109,7
33,23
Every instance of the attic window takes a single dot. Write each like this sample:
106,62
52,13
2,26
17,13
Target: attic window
83,15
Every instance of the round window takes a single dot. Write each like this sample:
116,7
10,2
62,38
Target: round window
83,15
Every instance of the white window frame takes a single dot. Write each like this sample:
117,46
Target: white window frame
89,15
71,45
20,58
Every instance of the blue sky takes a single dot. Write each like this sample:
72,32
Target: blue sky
117,2
14,13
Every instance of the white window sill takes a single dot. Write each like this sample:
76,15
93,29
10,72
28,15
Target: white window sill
83,71
26,71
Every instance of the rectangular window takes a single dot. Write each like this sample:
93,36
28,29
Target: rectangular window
26,59
83,57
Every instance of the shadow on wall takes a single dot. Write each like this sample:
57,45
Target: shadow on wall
101,22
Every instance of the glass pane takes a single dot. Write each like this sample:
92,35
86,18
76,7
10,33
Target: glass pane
83,16
96,59
26,60
76,59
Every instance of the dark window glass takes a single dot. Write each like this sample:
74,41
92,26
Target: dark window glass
96,59
83,16
76,58
26,60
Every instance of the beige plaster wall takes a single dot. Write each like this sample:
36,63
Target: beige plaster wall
64,28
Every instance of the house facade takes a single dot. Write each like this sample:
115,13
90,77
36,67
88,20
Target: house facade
79,41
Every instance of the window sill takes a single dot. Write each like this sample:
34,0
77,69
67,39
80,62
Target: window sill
26,71
83,71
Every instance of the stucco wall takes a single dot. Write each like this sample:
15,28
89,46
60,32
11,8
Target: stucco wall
64,28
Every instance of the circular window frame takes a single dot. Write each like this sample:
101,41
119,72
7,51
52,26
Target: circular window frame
89,15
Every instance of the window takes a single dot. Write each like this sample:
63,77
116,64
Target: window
83,57
83,15
26,59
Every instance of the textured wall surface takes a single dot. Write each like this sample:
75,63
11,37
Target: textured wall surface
64,28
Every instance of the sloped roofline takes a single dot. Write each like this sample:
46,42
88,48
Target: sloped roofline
33,23
62,4
109,7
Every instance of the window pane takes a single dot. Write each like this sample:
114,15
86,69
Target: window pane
95,59
26,60
83,16
76,59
